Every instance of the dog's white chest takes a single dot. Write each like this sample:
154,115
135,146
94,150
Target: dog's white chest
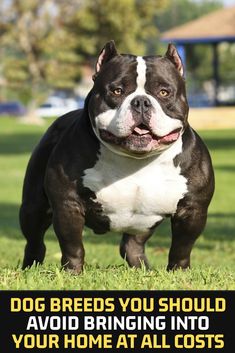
136,194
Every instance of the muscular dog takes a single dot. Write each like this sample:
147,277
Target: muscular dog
124,163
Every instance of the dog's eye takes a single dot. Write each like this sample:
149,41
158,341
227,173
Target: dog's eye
164,93
117,91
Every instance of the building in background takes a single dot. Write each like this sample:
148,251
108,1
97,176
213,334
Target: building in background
216,30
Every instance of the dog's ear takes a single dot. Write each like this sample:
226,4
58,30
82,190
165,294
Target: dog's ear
174,57
107,53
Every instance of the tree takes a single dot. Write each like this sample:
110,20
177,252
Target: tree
38,52
128,22
44,43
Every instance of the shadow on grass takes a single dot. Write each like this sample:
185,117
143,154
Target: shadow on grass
219,139
226,168
221,143
220,227
9,223
19,143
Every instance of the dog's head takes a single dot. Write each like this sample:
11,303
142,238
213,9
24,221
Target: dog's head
138,105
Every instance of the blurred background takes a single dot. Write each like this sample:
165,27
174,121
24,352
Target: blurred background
49,47
48,52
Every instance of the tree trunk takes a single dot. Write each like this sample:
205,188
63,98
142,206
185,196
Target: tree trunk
31,116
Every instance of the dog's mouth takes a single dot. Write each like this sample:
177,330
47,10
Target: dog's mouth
141,140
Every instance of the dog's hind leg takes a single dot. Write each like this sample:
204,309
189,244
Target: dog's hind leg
35,213
35,216
132,249
35,219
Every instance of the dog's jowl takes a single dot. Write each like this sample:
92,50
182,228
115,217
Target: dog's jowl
124,163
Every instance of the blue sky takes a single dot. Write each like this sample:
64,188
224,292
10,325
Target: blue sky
225,2
228,2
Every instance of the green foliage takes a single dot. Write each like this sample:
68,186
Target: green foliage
199,62
213,257
38,51
45,42
128,22
179,12
227,62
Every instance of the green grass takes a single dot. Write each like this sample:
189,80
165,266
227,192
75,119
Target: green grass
213,256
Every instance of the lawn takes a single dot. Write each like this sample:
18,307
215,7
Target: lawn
213,256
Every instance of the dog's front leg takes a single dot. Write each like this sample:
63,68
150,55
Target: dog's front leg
187,225
68,216
68,222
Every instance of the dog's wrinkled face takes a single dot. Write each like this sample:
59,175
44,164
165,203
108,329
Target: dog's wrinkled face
138,105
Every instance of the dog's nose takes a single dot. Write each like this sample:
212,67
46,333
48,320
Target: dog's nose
141,104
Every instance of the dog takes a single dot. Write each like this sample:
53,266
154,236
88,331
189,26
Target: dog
124,163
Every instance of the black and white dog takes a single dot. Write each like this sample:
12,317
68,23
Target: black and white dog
125,162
